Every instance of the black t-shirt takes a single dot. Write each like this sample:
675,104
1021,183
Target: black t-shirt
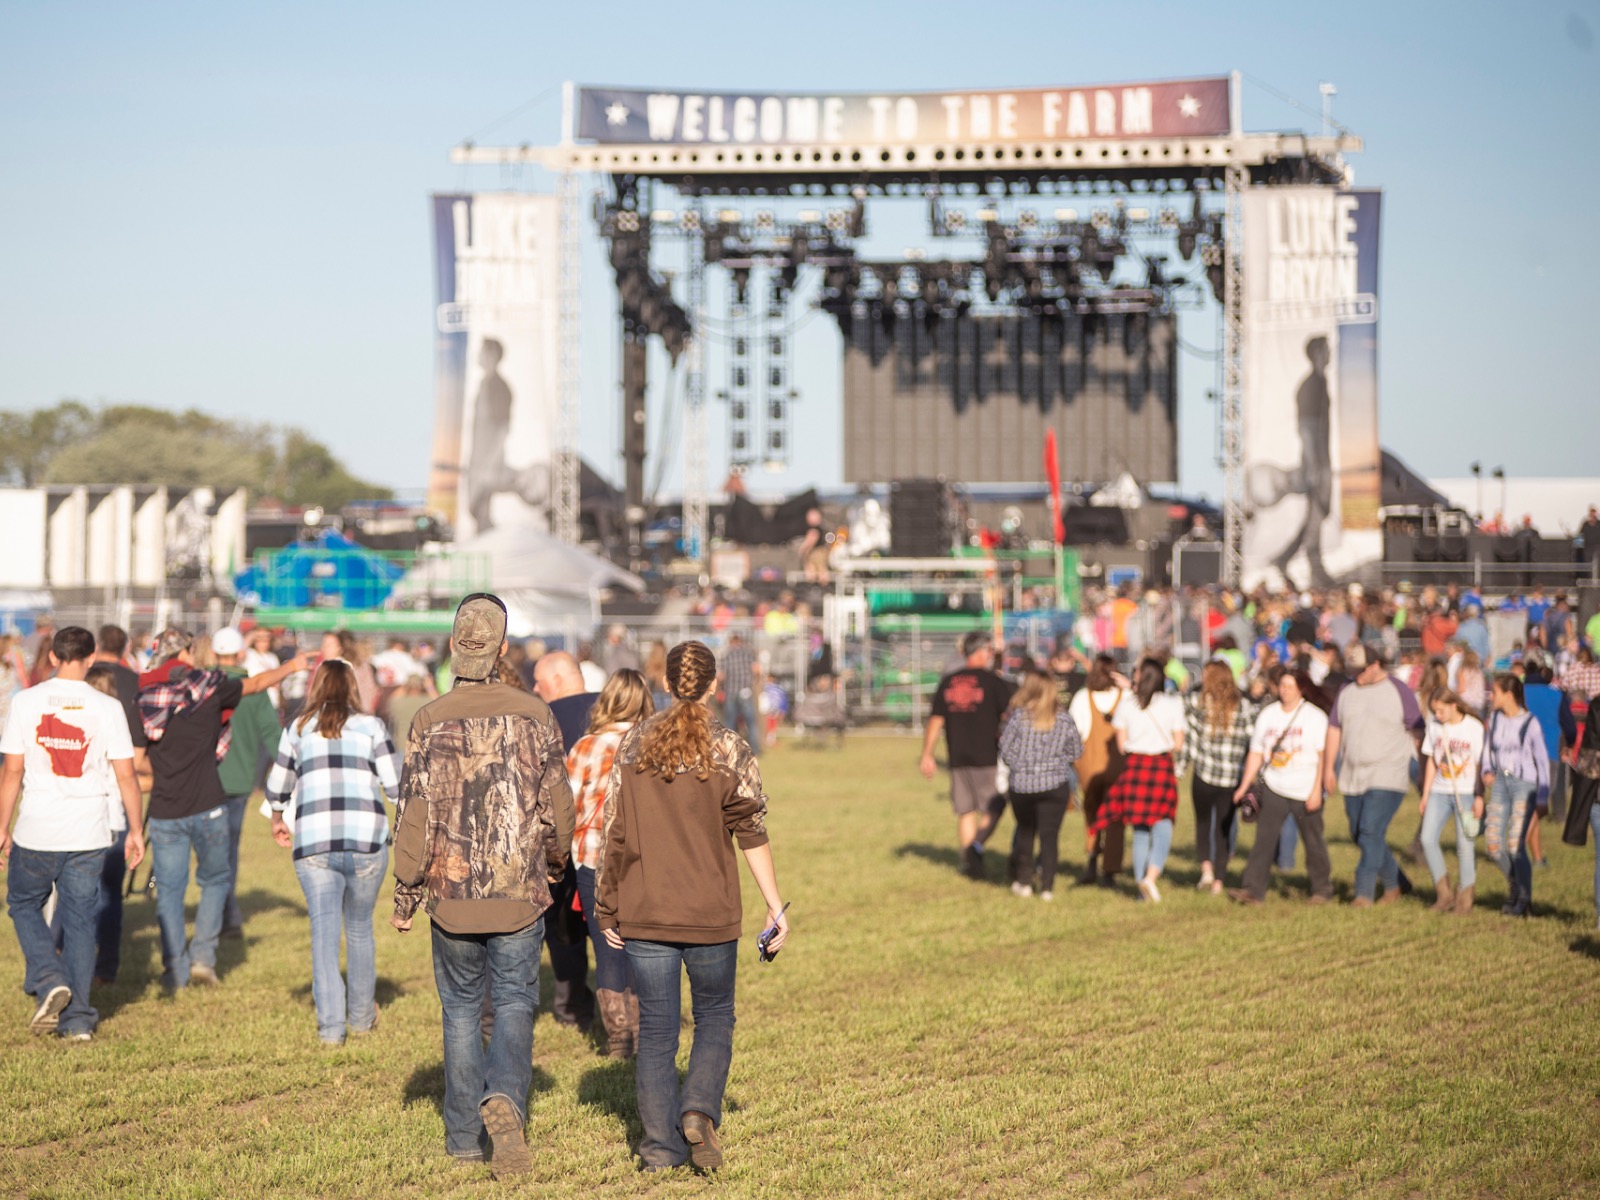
1069,683
128,697
972,702
572,714
184,760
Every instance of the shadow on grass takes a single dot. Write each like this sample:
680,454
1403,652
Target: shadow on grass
610,1089
257,901
385,992
427,1085
994,864
1588,945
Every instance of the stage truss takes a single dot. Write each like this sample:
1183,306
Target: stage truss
1131,168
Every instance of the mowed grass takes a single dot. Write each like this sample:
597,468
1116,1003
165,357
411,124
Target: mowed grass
922,1036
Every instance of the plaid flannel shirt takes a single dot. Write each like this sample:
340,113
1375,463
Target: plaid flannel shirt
1217,757
1581,679
1040,760
337,785
159,703
589,772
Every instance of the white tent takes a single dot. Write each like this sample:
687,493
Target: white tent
549,586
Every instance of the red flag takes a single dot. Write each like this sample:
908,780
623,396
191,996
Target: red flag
1052,472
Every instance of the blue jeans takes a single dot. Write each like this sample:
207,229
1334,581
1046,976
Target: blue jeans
75,874
341,890
461,963
1594,825
232,918
1506,818
739,706
1369,813
1151,845
108,912
171,842
1288,842
1444,807
657,969
610,964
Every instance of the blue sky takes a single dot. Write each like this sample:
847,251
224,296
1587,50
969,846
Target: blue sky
223,206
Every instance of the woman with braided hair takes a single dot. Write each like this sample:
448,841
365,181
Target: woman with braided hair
683,788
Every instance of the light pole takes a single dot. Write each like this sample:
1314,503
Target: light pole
1477,474
1500,474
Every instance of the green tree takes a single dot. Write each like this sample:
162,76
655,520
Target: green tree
129,443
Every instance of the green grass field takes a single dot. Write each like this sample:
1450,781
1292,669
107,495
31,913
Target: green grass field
922,1035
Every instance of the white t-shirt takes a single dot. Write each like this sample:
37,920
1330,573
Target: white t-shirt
1153,730
68,734
1456,751
1292,769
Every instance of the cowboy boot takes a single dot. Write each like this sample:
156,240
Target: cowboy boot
632,999
614,1016
1464,901
1446,897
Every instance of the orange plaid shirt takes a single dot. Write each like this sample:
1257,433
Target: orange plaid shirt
589,772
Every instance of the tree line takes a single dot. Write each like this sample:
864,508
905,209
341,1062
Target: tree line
72,442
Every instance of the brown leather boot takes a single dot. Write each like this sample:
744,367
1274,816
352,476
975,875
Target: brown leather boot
1446,896
1464,901
614,1016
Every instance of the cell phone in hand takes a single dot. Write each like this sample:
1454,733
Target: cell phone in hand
767,934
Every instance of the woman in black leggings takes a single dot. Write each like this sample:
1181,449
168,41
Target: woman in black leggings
1219,722
1038,743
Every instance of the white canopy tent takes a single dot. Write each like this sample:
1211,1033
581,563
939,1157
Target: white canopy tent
549,585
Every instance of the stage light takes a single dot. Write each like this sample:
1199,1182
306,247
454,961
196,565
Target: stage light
664,216
730,216
740,277
1212,257
809,216
627,221
690,219
1138,215
955,220
765,222
1027,219
988,215
1067,216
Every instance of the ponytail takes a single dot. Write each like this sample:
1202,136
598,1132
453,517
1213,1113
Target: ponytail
679,740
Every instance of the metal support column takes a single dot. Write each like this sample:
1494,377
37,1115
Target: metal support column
1233,299
566,487
696,426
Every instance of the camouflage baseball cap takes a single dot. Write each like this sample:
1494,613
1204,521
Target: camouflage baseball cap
476,637
171,643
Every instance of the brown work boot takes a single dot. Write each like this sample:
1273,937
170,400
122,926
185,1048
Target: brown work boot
1446,897
1464,901
614,1016
508,1150
705,1151
1241,896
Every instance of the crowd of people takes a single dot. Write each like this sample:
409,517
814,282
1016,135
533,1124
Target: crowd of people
1299,698
540,800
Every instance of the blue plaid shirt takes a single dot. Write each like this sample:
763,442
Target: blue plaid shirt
337,785
1040,760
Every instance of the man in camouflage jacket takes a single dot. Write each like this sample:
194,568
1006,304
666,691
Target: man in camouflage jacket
484,824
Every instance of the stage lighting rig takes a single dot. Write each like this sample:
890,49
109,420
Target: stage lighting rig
646,300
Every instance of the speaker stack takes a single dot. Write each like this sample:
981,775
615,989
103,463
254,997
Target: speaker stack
919,516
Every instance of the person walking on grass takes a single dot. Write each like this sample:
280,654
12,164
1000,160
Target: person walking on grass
484,827
65,747
1092,711
1149,732
335,764
1218,720
1286,750
185,713
256,733
1373,732
1038,743
968,706
1451,751
1516,779
683,790
623,703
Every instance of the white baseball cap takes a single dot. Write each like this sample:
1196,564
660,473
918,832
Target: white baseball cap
227,642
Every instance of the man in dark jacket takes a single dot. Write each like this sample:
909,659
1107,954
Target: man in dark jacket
484,825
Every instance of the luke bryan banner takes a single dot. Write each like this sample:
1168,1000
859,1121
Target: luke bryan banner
1310,384
495,335
1173,108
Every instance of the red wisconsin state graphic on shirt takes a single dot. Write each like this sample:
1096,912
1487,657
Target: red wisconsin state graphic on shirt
963,694
66,744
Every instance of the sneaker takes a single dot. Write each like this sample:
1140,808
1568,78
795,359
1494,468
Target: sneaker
705,1151
203,975
1149,890
1021,889
508,1151
48,1014
1047,896
83,1035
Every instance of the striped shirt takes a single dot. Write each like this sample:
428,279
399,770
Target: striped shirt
1040,760
337,785
589,772
738,668
1217,755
